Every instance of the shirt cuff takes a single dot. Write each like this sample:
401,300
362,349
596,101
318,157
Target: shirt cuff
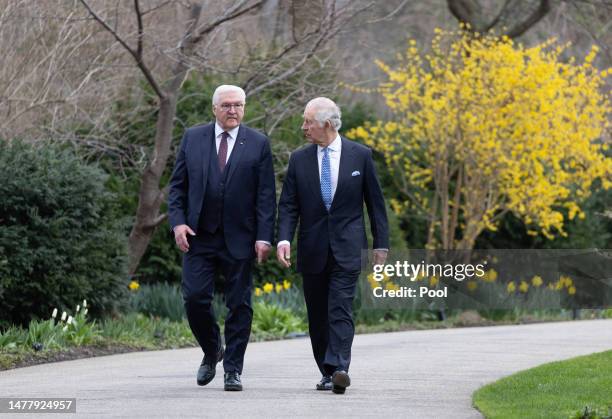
383,250
282,242
264,242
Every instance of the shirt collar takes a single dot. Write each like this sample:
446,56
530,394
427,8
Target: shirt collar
334,146
233,133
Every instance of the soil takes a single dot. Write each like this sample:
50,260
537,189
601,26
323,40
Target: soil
68,354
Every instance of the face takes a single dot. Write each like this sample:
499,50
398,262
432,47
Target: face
313,132
229,110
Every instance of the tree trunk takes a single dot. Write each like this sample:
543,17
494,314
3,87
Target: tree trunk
151,196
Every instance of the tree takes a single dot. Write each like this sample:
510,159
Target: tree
487,127
212,37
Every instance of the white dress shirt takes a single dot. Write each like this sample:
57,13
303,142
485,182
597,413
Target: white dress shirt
231,139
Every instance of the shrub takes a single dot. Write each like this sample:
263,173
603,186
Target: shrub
58,240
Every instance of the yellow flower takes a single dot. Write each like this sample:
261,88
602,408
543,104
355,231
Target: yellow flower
433,281
472,285
279,288
511,287
571,290
536,281
286,284
490,275
257,291
134,285
268,288
391,286
524,287
566,281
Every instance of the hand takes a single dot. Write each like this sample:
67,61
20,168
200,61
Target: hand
180,236
379,256
283,254
262,250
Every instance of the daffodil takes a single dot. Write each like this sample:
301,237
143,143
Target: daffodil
268,288
511,287
134,285
286,284
536,281
278,288
257,291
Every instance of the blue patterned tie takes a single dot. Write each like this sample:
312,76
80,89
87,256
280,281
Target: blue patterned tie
326,186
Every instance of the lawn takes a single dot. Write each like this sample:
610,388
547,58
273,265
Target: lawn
557,390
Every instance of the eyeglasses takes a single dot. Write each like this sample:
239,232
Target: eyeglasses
227,106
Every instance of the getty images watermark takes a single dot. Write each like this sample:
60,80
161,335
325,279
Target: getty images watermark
489,279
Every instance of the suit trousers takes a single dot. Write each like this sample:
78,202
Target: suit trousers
329,301
208,256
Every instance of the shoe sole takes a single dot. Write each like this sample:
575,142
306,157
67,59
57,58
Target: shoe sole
204,382
340,382
232,388
323,388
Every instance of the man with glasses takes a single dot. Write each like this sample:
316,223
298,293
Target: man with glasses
326,185
221,207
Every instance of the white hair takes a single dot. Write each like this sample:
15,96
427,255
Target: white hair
326,110
226,88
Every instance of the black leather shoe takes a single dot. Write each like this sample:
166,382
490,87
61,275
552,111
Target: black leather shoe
340,381
232,382
325,383
207,370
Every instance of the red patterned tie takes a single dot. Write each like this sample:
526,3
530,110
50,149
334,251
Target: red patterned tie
222,155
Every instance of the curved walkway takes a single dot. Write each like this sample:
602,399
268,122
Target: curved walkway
420,374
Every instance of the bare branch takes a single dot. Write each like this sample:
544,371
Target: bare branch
230,14
140,29
534,18
141,65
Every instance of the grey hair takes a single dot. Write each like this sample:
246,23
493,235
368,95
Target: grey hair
326,110
226,88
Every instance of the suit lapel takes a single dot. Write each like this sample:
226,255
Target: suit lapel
312,172
237,152
207,147
346,154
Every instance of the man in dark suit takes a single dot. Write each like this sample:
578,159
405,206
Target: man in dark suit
325,187
221,208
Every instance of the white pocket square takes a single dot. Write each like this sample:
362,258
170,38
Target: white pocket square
355,173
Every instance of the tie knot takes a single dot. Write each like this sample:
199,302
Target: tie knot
224,135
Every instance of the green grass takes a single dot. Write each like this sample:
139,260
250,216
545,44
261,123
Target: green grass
556,390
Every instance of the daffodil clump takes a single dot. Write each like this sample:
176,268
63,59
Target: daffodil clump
482,126
273,287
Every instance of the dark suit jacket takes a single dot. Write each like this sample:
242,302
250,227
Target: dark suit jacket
342,228
249,202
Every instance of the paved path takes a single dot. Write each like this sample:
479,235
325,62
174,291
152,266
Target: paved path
415,374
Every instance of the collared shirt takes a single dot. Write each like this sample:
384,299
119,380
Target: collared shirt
334,151
231,139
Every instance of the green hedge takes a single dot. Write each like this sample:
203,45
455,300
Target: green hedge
59,243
